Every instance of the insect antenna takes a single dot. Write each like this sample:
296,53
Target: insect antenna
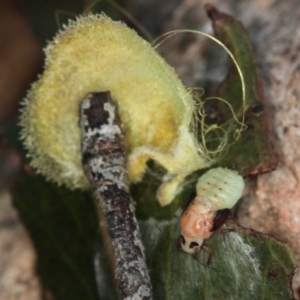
124,12
207,250
204,265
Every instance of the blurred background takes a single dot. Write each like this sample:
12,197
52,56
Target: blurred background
272,201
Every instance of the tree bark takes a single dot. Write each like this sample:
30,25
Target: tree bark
104,153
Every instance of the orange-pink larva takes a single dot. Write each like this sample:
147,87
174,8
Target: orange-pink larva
218,190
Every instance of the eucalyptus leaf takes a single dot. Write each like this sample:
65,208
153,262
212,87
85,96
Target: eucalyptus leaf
253,153
245,264
64,228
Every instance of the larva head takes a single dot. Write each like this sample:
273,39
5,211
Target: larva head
196,226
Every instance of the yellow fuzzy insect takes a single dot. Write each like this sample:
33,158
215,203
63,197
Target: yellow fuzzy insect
95,54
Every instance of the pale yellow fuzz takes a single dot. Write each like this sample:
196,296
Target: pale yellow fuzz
97,54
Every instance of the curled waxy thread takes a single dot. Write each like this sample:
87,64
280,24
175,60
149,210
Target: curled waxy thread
199,112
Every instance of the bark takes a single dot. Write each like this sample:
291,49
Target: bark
104,162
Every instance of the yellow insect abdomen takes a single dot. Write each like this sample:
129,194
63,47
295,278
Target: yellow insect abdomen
97,54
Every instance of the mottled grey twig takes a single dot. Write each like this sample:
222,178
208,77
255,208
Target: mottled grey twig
104,162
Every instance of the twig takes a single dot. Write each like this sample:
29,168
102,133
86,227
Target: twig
104,162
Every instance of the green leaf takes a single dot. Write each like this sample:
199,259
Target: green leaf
253,153
65,232
245,264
